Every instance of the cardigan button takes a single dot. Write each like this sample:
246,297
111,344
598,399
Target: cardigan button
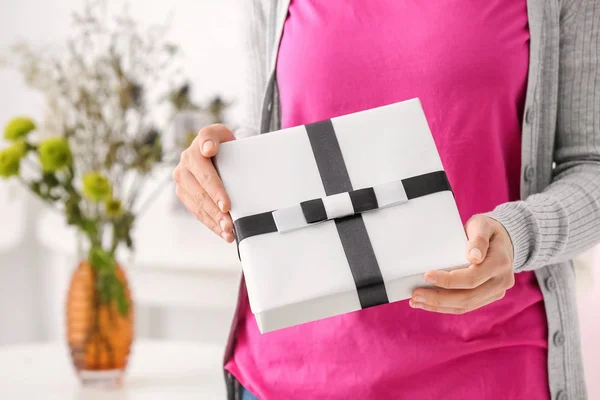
551,284
528,116
562,395
559,339
529,173
269,106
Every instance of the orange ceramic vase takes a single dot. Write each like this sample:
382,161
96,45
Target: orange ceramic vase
99,336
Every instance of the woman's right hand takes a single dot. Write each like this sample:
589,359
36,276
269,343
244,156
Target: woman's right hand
198,185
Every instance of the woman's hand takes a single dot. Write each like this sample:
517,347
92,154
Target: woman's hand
488,278
198,185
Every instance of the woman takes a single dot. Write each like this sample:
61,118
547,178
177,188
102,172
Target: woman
511,92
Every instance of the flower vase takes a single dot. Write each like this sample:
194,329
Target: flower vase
98,335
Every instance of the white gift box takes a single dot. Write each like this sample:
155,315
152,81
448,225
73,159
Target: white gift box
340,215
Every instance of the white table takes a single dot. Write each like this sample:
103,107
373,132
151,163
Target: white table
157,370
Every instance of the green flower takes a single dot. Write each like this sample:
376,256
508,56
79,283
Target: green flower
114,208
21,146
10,162
55,154
96,186
18,128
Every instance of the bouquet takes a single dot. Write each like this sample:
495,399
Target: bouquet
106,91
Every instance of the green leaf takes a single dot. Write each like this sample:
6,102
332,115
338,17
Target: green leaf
122,228
102,261
108,285
120,297
73,211
129,242
50,179
90,227
35,187
103,286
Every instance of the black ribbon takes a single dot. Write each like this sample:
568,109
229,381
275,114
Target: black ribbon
351,230
362,200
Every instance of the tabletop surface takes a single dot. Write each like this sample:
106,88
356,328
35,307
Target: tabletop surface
157,370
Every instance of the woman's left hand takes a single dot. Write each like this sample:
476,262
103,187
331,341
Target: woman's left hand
488,278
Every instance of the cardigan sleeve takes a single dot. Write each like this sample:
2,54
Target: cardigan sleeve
253,70
564,219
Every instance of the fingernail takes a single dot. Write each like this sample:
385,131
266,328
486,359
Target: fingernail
419,299
208,146
415,305
223,223
221,205
224,235
476,253
429,278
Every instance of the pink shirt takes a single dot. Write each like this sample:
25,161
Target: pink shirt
467,61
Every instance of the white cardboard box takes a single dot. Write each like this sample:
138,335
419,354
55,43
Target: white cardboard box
323,269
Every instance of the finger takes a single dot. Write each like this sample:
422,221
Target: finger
211,136
202,199
479,232
456,310
190,203
497,263
206,175
462,298
440,310
201,215
462,278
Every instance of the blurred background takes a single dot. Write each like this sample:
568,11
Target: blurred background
183,279
30,238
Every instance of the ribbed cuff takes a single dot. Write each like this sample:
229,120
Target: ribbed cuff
513,216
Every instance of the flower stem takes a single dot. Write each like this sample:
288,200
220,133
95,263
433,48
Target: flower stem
52,205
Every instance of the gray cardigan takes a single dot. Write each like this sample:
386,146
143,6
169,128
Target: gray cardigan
559,214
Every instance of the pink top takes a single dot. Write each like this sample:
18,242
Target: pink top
467,61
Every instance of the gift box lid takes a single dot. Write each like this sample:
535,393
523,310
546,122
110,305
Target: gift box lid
286,169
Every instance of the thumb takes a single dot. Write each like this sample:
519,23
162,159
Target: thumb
211,136
479,232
